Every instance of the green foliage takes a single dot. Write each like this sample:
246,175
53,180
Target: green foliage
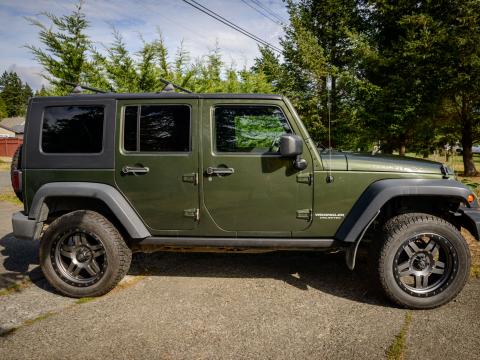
14,95
257,131
318,54
403,74
3,109
67,53
42,92
64,56
448,34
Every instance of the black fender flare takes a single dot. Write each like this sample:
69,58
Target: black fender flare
368,206
112,198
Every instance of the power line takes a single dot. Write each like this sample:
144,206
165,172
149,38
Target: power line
196,32
235,27
230,24
259,4
262,13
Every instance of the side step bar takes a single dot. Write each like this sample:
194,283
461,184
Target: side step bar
297,243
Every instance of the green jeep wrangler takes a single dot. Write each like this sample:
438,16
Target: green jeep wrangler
105,175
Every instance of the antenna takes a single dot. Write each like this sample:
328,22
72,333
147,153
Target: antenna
169,86
329,105
78,88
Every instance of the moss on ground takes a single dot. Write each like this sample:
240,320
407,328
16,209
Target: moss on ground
396,350
10,197
16,287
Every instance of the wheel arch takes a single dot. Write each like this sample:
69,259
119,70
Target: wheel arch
381,197
53,199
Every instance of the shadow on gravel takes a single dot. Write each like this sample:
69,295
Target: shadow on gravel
303,270
17,259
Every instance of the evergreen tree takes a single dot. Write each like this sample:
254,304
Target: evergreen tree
14,94
319,71
443,46
3,109
42,92
64,52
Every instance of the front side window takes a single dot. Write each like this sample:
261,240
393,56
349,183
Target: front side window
157,128
249,129
73,129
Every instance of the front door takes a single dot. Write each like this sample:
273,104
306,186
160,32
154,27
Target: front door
248,187
157,161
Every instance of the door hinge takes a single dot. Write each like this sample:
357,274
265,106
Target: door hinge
304,214
305,178
193,213
191,178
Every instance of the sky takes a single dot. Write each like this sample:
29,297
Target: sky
134,19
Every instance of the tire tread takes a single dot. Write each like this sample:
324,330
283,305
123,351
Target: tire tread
121,250
392,230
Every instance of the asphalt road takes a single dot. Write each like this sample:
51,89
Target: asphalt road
225,306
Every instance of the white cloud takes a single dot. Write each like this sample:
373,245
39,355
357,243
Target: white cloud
174,18
29,74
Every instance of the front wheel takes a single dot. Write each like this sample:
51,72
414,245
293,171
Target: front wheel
83,255
423,261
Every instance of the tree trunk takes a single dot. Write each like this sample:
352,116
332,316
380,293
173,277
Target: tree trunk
402,146
467,143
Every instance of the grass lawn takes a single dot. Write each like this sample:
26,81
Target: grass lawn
9,196
4,165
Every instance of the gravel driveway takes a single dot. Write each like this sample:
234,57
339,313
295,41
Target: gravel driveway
5,180
233,306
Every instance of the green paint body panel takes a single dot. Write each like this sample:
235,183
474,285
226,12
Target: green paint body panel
264,197
339,196
162,195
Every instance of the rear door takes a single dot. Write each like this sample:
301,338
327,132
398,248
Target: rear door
157,161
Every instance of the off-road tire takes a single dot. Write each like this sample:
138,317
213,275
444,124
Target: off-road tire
396,234
117,254
16,164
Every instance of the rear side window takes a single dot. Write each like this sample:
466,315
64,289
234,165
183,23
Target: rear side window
157,128
249,129
73,129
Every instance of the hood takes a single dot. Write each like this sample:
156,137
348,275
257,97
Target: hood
381,163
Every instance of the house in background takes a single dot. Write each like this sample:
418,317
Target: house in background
11,135
12,127
6,132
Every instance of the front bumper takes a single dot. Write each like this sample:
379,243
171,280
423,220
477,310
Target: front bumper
472,220
25,228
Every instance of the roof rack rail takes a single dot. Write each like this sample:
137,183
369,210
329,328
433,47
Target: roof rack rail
169,86
78,88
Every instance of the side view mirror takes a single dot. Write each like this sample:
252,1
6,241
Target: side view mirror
291,146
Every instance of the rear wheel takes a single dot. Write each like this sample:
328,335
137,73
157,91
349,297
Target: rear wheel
423,262
83,254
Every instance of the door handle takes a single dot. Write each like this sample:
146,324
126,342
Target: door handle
219,170
136,170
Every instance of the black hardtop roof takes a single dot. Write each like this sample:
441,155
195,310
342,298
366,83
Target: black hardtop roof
162,95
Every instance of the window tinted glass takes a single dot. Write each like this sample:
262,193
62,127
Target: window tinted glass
163,128
254,129
73,129
130,128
